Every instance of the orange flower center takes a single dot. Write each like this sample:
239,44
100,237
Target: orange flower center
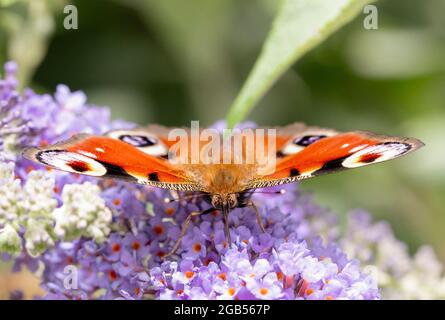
117,201
309,291
158,229
135,245
160,254
197,247
116,247
189,274
222,276
329,298
43,143
112,275
231,291
169,211
264,291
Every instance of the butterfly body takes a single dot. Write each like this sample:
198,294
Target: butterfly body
221,178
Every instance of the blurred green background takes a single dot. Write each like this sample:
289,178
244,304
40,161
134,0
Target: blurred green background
173,61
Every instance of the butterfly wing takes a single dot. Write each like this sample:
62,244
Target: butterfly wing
305,152
152,140
107,156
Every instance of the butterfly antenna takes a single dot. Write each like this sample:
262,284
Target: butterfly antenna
282,191
169,200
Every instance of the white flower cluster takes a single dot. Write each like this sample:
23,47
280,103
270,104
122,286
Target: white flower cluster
399,275
29,211
29,206
83,213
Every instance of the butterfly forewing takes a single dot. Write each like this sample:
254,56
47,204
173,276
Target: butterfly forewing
322,153
102,156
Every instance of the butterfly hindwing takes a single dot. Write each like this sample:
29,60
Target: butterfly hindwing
103,156
295,137
152,140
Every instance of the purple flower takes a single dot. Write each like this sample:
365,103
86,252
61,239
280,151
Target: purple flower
268,287
194,244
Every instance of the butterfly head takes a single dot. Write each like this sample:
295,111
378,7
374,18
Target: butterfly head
224,202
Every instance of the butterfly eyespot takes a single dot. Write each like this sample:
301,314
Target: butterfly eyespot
144,141
79,166
377,153
308,140
71,162
299,143
138,141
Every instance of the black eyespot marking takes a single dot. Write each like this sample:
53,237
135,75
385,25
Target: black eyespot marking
138,141
115,171
153,176
308,140
280,154
294,172
332,165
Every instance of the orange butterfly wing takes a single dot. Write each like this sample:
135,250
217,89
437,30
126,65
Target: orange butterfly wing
313,151
103,156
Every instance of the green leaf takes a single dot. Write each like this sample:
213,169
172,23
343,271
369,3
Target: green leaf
5,3
298,27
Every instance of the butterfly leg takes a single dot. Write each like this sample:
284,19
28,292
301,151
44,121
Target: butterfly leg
258,215
226,226
185,226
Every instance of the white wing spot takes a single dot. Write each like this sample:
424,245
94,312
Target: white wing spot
291,148
358,148
384,151
88,154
